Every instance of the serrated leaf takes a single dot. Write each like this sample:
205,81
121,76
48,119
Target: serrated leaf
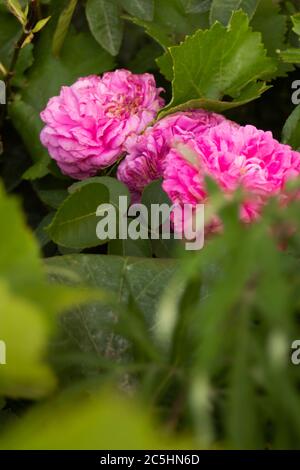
217,62
143,9
165,64
222,10
62,27
105,24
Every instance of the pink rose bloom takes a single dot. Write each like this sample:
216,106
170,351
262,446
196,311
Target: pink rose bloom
147,153
88,124
234,157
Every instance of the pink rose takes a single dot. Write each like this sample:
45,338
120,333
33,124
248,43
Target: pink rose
146,153
234,157
88,124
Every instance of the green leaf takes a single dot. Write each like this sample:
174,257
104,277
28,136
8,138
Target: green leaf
62,27
23,325
143,9
80,56
115,188
222,10
154,194
171,23
296,23
291,55
89,328
217,62
41,24
273,26
40,232
19,254
291,129
135,248
25,61
74,225
24,118
105,24
10,32
88,423
165,64
16,9
24,330
196,6
51,191
144,61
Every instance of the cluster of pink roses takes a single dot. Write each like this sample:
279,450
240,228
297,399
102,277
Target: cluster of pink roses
96,120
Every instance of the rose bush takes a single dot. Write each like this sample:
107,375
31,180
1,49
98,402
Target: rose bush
110,343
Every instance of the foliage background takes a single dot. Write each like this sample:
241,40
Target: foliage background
140,345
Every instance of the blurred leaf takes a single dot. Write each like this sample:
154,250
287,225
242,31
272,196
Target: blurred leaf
290,56
63,26
296,23
89,329
89,422
218,62
105,24
19,254
243,423
24,330
222,10
23,326
143,9
291,129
